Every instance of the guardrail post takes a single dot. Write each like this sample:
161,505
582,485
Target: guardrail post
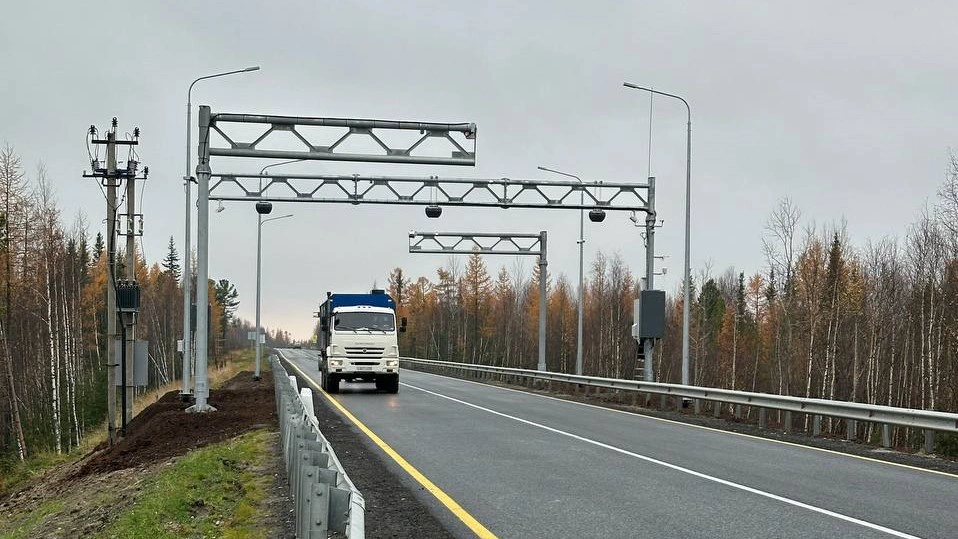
663,402
817,425
929,441
697,406
738,411
788,422
851,429
762,418
716,409
885,435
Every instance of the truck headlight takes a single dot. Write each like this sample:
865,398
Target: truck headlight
392,362
335,363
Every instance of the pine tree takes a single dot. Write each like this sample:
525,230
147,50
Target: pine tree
171,264
98,247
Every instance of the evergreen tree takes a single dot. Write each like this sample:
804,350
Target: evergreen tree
98,247
171,264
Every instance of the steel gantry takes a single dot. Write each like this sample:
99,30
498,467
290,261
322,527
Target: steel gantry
490,243
458,141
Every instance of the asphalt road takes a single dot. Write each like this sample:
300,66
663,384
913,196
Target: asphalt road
525,465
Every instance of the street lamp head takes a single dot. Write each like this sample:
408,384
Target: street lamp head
597,215
252,68
264,208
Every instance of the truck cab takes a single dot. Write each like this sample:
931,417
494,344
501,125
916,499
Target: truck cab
358,341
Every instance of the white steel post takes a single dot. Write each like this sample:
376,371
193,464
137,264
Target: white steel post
201,390
542,301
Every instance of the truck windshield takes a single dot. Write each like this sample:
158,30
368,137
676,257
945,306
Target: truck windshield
364,321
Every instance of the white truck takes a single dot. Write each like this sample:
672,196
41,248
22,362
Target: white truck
357,340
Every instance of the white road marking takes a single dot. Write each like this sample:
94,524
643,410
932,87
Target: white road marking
688,471
694,426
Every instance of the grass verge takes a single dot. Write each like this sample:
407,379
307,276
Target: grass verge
19,473
25,526
211,492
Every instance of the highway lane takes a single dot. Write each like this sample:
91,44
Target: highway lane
528,466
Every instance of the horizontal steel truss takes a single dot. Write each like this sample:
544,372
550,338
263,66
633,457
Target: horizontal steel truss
479,243
906,417
346,128
431,190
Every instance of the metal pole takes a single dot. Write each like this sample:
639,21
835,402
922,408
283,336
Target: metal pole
578,340
259,266
111,317
688,226
578,346
649,270
187,280
686,285
201,391
542,301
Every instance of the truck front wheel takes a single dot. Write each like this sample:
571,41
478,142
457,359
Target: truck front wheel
388,383
330,383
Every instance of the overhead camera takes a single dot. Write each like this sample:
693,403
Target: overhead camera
597,215
433,211
264,208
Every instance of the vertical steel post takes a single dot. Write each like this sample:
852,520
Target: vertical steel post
259,266
187,279
201,389
578,340
687,269
111,317
542,301
649,271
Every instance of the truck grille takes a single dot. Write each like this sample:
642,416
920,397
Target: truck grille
364,352
364,363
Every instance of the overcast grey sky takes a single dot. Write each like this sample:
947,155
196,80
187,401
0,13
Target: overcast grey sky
848,108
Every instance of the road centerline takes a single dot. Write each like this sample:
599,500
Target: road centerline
688,471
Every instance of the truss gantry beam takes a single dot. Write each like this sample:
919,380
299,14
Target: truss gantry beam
475,242
431,190
457,139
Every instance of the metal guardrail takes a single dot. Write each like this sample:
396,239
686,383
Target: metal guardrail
855,411
325,500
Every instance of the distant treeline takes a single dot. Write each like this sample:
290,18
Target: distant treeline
53,317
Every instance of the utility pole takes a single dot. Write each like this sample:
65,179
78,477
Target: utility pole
110,177
130,322
112,315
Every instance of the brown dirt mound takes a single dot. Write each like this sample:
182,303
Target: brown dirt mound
164,429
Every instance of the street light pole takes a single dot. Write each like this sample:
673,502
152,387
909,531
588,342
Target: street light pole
187,280
259,265
259,250
578,345
688,209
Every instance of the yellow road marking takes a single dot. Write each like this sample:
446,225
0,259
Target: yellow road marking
443,498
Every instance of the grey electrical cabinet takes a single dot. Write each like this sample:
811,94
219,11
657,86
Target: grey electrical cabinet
650,314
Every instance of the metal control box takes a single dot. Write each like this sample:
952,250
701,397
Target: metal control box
650,315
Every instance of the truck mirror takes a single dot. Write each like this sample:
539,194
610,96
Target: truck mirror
402,322
402,329
323,326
